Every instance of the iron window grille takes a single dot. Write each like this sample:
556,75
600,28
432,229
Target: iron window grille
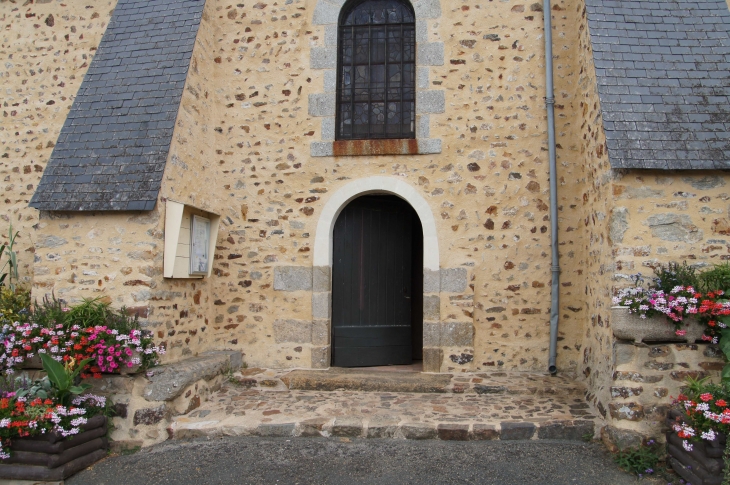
376,78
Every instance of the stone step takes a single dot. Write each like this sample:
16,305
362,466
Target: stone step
338,379
267,407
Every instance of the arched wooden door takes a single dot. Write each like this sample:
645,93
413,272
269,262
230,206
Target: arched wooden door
373,274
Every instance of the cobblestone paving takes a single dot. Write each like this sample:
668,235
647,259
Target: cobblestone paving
478,406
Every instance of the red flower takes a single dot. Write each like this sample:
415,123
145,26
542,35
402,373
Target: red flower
706,397
721,403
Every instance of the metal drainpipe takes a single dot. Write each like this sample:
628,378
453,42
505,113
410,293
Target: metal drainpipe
555,267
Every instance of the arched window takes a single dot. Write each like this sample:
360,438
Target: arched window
376,87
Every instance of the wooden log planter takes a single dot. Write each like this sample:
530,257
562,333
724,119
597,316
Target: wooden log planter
701,466
52,457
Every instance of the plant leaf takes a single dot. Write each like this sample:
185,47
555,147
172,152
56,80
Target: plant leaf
56,373
79,389
79,367
726,373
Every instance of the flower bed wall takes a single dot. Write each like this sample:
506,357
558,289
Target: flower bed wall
51,457
145,403
646,377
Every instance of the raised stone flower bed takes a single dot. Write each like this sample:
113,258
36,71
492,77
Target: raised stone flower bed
52,457
630,326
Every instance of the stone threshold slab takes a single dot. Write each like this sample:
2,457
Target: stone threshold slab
389,427
362,380
366,380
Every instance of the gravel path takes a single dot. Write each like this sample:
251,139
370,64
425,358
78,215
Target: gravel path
248,460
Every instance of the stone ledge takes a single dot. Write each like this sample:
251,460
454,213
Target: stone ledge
356,148
169,381
389,427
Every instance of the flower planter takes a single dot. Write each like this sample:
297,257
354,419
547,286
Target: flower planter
124,370
51,457
630,326
701,466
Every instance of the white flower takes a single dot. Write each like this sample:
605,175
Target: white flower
5,423
703,406
78,422
687,445
708,435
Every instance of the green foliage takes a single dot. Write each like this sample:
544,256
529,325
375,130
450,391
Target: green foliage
717,278
726,460
94,312
674,274
641,460
724,345
63,377
90,313
41,388
14,305
9,269
49,312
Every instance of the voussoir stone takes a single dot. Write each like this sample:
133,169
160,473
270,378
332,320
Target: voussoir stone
382,426
293,278
517,431
293,331
418,431
275,430
312,427
169,381
484,432
453,432
566,430
347,426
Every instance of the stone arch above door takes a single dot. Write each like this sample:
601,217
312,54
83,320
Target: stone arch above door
433,278
373,185
428,55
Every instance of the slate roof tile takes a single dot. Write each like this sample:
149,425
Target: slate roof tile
664,81
113,146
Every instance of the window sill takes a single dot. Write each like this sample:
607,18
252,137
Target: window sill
355,148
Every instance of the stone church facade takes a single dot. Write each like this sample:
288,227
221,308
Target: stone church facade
113,112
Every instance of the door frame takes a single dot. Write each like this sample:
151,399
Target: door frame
323,255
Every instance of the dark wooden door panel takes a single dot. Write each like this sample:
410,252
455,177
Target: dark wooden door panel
372,283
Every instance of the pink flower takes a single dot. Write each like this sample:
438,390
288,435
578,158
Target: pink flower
681,333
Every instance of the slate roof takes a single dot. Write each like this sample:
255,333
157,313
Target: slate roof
663,70
112,149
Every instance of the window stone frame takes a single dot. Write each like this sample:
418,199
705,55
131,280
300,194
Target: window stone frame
323,105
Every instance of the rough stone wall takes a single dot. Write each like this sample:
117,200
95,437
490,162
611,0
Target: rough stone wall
488,189
119,256
591,267
660,217
241,148
647,377
182,309
45,50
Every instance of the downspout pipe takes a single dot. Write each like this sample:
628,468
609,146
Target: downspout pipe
555,264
